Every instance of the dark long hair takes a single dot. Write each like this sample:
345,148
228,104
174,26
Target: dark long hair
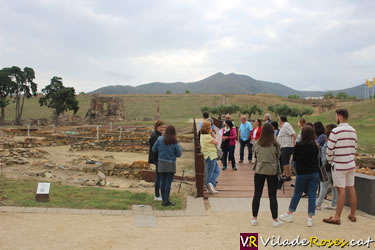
329,128
230,123
308,135
267,137
319,129
170,135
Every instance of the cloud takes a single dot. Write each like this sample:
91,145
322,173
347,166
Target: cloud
302,44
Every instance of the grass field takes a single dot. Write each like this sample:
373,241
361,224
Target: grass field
175,109
179,109
22,193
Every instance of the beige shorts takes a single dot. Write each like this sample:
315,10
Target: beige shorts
343,179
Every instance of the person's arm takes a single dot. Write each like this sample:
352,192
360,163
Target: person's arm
294,138
155,147
250,129
178,150
214,141
233,135
153,139
295,153
330,147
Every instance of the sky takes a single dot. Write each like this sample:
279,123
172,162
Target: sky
306,45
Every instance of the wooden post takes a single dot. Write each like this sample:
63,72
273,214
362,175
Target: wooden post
110,126
119,137
97,133
199,175
28,130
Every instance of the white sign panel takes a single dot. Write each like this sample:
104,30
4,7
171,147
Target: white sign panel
43,188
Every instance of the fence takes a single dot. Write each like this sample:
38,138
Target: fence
199,163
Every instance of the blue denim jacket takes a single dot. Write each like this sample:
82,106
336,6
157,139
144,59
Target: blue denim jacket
167,153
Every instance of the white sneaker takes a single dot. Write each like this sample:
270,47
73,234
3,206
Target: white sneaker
276,223
286,217
309,222
210,188
318,207
214,190
254,222
158,198
330,207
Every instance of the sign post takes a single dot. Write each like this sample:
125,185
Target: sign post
42,192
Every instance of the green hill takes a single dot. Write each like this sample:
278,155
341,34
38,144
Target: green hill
179,110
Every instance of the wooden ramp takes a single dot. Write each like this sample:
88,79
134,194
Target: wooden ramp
240,183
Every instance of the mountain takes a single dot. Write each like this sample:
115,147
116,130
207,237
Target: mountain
220,83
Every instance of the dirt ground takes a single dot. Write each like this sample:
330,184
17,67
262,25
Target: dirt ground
61,156
215,231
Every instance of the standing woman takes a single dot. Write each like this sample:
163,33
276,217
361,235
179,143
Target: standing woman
153,156
320,134
229,144
168,150
208,145
324,185
255,134
306,154
257,131
267,152
300,124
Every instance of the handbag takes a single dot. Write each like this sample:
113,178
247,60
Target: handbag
280,180
322,170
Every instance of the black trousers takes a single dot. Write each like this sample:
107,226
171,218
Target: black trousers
259,180
243,144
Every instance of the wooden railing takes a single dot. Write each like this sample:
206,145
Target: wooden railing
199,163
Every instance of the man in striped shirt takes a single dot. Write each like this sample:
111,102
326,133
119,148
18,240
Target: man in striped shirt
341,149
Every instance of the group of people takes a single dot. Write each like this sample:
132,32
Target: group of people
164,149
274,152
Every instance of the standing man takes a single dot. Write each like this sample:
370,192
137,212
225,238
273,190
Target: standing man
287,140
245,132
206,116
267,118
341,150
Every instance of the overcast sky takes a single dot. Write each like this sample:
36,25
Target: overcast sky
306,45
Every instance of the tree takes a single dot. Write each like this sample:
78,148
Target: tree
168,92
293,97
305,111
187,91
59,98
24,87
251,110
328,95
342,96
7,88
205,109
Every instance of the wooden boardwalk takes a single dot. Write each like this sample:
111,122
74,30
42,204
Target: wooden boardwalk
240,183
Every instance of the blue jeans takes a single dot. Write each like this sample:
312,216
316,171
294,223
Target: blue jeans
243,144
165,185
229,151
210,166
324,189
157,182
307,182
216,173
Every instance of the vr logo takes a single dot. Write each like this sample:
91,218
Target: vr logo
249,241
